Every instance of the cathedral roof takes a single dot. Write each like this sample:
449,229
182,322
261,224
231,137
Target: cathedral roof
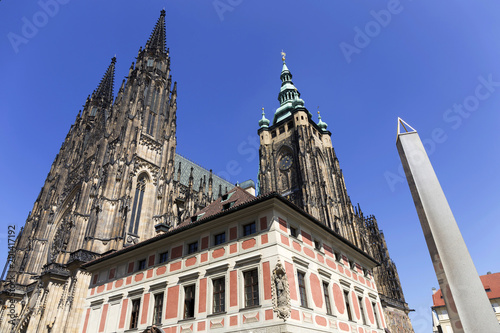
199,174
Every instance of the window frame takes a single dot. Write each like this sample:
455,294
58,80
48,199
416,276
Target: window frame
221,295
134,316
141,265
348,306
254,288
295,232
161,297
326,296
160,257
302,288
192,299
362,309
244,229
219,242
192,250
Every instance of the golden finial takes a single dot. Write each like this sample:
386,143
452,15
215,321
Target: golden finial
318,112
283,55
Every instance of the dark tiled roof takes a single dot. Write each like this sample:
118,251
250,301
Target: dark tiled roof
490,281
233,198
199,173
250,201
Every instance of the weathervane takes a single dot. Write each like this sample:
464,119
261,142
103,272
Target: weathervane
283,55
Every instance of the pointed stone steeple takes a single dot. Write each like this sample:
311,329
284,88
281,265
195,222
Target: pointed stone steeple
289,96
104,92
156,42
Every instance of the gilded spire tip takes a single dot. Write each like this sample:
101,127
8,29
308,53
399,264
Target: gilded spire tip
283,55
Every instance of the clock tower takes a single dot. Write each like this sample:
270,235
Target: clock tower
298,161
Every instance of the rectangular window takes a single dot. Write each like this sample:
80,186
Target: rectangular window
374,306
150,62
347,305
220,238
251,280
338,257
134,316
249,229
302,289
219,286
327,298
141,265
157,310
317,245
193,247
293,232
189,301
361,309
163,257
273,134
282,129
290,125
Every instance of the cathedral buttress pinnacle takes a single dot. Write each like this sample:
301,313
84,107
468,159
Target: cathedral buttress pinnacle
104,92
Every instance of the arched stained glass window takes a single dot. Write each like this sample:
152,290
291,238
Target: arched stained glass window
138,199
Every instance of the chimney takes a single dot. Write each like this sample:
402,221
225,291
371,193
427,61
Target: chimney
248,186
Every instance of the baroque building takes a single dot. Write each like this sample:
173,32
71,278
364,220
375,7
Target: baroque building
118,181
298,161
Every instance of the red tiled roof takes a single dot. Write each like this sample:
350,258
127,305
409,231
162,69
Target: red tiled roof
490,281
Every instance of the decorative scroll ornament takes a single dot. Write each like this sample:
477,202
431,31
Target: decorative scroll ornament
280,292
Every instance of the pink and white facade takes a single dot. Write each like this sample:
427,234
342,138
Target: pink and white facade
216,274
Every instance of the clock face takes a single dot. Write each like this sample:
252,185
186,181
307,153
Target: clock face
286,162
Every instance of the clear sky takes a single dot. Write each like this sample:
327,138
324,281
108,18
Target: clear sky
364,63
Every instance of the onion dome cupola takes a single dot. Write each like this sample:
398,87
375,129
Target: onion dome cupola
264,122
321,124
289,96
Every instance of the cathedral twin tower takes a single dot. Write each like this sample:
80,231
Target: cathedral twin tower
117,179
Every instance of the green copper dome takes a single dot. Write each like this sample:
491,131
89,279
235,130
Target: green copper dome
264,122
289,96
322,125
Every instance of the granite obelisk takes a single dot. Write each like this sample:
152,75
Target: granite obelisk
468,306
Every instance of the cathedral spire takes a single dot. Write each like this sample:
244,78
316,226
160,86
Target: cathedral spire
156,42
104,92
289,96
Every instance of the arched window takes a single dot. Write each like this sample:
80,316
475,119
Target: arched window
138,199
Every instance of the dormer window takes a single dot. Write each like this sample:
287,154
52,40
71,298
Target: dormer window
226,196
228,205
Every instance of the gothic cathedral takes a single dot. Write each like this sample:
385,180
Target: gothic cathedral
118,180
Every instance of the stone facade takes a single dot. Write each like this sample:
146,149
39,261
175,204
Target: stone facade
298,161
118,180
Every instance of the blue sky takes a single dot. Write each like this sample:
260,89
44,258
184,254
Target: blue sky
364,63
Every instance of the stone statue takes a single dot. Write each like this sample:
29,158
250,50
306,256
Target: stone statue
280,292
